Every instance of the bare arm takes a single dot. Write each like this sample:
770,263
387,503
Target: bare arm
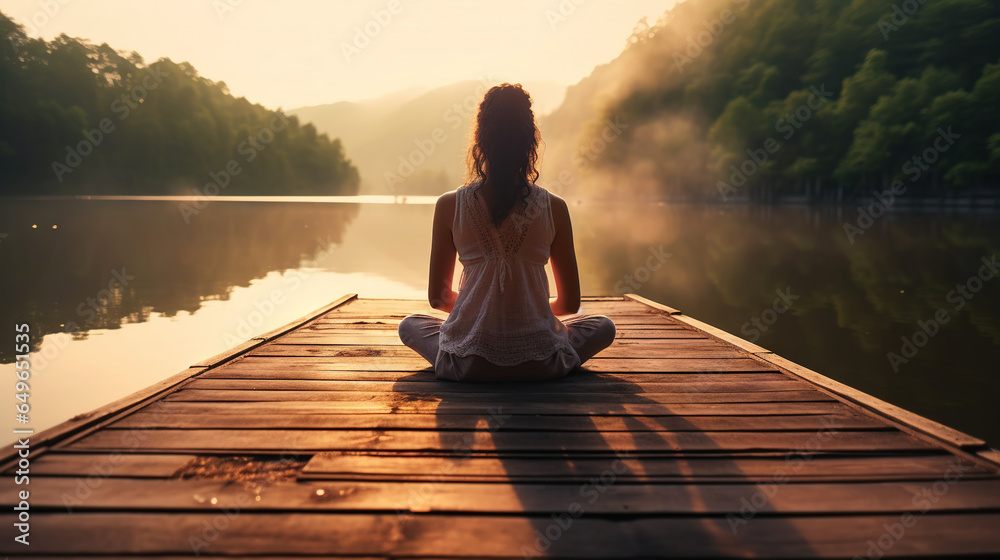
563,258
440,294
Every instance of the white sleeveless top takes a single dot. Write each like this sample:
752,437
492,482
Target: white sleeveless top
502,312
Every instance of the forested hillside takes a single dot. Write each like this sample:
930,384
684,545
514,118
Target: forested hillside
78,118
722,99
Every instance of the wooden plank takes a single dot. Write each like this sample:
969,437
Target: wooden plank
991,455
348,315
387,314
105,465
373,337
644,318
241,370
501,422
392,320
357,313
635,334
652,304
364,321
370,338
327,325
363,308
343,330
338,466
403,440
676,365
229,354
601,365
615,500
493,536
321,348
490,408
209,395
611,307
390,323
653,346
657,346
347,363
499,388
721,334
375,307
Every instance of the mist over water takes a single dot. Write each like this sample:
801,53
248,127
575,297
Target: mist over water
786,278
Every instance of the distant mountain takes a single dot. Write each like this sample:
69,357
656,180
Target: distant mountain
413,141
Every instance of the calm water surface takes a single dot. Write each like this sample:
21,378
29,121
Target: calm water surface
181,292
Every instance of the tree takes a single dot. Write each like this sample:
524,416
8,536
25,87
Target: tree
78,118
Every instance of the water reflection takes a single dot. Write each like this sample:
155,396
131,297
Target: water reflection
107,263
852,303
180,291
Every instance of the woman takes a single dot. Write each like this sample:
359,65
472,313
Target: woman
504,229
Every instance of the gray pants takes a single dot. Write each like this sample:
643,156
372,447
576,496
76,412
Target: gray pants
588,334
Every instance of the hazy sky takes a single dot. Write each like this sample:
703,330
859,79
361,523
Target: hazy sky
308,52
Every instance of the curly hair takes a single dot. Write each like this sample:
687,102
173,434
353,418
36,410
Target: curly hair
504,150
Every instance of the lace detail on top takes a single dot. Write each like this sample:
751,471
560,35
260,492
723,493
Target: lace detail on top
502,312
504,242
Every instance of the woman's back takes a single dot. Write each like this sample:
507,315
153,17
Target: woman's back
502,312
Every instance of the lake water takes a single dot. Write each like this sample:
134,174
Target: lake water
786,278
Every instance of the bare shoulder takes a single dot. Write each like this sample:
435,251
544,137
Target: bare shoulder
557,201
560,210
446,201
444,209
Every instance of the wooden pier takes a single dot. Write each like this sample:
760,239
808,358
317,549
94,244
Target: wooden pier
329,438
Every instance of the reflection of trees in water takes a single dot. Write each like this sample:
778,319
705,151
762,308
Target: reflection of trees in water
735,258
55,277
856,301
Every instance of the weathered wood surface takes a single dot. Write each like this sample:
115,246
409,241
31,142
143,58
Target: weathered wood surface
678,440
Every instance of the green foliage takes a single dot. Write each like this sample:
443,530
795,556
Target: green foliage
167,130
896,77
896,124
